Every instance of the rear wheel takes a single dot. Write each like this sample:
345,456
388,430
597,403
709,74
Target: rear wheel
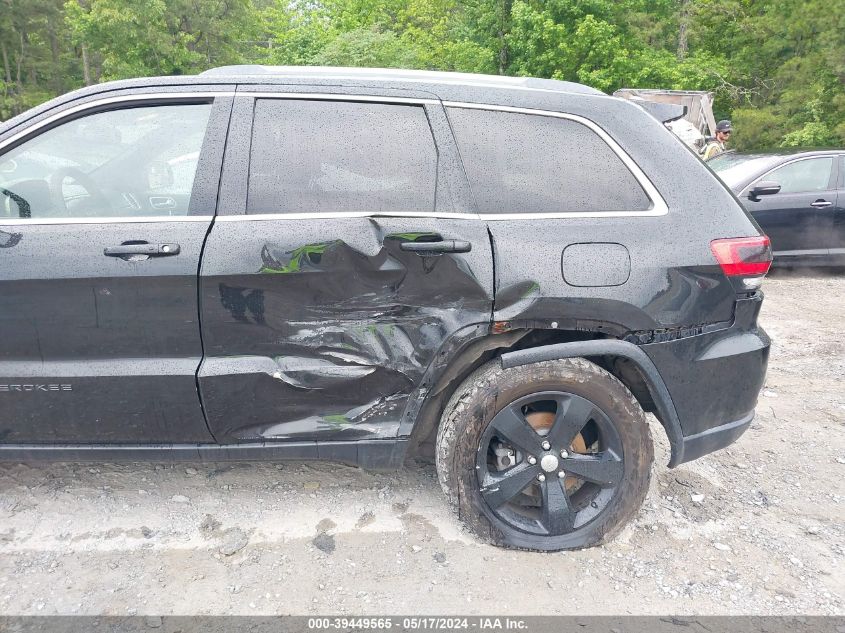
548,456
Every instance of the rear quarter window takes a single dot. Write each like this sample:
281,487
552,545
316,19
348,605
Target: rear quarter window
531,163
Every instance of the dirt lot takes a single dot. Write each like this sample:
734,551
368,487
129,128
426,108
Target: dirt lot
758,528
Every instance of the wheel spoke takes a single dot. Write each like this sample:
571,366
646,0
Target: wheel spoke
500,488
604,469
558,513
510,424
572,415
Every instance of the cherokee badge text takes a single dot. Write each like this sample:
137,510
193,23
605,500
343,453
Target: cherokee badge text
35,387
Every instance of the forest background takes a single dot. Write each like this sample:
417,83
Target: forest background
777,68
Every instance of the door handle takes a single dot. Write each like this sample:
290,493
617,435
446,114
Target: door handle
434,248
821,203
143,248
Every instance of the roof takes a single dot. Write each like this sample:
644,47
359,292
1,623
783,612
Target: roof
396,75
515,92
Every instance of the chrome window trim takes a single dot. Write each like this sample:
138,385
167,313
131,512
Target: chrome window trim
442,215
337,215
147,219
658,204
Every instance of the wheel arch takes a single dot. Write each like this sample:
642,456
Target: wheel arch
626,361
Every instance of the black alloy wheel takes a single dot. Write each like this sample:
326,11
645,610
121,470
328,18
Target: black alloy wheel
552,488
548,456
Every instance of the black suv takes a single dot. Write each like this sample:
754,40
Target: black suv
366,266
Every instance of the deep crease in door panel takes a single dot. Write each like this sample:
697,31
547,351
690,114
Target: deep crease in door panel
329,336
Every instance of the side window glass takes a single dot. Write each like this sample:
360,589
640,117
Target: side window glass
528,163
811,174
138,161
330,156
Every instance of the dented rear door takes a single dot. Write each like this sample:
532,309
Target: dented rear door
342,258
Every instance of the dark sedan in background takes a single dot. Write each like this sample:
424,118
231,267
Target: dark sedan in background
797,198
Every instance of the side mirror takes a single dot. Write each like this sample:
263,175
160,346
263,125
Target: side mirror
764,188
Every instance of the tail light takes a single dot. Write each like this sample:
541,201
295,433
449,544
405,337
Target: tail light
745,260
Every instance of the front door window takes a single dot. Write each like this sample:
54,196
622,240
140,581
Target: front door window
137,161
803,176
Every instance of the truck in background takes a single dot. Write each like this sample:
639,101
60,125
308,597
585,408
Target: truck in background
696,126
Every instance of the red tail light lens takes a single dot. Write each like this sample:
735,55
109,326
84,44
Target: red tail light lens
743,256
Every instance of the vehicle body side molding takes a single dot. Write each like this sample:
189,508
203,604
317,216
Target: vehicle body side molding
381,455
665,407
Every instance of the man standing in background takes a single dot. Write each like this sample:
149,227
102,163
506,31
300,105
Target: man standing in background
717,146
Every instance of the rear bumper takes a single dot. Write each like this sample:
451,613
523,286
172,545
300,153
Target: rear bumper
714,380
694,446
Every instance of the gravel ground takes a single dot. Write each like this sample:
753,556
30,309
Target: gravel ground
755,529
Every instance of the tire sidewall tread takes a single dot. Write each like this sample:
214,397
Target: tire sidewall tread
479,398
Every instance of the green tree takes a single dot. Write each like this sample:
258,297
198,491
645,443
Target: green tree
33,41
159,37
777,68
785,70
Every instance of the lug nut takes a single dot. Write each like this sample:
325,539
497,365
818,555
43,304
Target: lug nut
546,446
561,474
564,454
532,460
541,477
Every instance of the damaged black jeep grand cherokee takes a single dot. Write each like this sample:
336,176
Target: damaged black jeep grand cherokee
367,266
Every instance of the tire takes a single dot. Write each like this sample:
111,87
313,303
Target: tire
494,405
